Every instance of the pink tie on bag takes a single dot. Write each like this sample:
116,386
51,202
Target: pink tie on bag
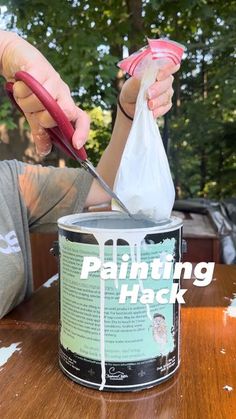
158,49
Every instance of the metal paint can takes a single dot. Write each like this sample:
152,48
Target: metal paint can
106,343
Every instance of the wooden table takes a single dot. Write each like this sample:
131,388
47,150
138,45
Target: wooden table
32,386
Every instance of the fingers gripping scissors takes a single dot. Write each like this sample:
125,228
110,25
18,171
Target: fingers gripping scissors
61,135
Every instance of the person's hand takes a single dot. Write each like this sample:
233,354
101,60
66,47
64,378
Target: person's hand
159,95
20,55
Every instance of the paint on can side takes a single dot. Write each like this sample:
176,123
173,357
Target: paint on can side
105,344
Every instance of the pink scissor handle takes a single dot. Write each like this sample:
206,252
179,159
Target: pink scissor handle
61,135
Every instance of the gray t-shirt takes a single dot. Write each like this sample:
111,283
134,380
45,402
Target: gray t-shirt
32,198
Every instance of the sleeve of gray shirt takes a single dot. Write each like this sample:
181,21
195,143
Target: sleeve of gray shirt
50,193
32,198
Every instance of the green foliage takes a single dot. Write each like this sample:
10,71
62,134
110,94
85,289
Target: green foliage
6,115
85,39
100,133
202,128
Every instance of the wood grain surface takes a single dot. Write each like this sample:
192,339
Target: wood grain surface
32,385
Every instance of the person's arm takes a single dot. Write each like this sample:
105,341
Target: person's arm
48,193
5,39
18,54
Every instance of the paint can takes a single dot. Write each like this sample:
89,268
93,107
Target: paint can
113,338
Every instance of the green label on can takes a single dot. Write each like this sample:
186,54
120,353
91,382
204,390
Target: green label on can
130,334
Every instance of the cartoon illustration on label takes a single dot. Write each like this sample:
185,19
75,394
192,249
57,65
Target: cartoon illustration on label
159,329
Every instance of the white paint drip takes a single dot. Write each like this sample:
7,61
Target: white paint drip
134,240
102,319
228,388
50,281
180,244
114,258
137,246
180,257
231,310
7,351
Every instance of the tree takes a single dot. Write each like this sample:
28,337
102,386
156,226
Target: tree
85,40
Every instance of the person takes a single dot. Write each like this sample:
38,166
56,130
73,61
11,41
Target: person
33,197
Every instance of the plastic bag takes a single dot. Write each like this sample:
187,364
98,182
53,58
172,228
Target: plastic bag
143,181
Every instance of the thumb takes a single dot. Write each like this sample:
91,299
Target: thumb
40,137
130,89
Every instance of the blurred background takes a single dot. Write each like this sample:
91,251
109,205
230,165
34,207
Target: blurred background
84,40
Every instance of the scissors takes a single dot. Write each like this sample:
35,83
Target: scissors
61,135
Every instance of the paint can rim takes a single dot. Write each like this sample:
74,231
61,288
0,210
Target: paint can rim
74,222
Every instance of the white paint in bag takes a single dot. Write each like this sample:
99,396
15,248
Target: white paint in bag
143,181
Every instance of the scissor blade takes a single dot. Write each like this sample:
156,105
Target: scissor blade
91,169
